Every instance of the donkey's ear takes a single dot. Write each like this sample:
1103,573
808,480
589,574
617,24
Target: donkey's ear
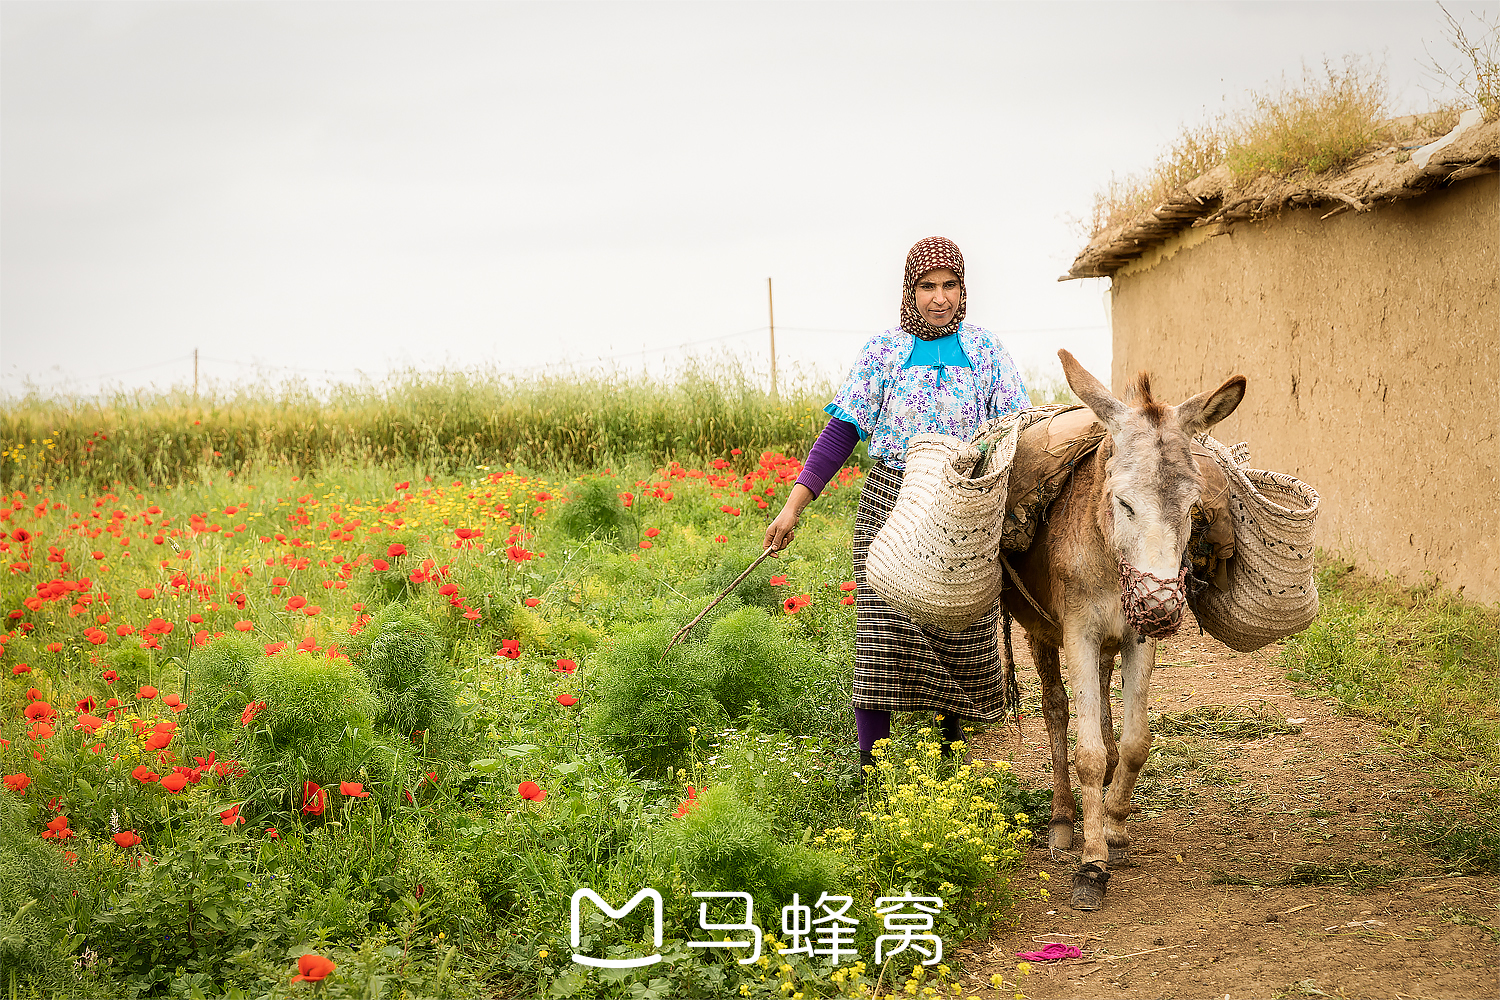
1201,412
1092,392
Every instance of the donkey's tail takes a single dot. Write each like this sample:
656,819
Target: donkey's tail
1010,695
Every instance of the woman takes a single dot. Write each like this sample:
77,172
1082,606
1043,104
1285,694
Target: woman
933,373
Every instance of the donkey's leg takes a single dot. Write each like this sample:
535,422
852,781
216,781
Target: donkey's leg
1055,713
1136,663
1107,723
1082,651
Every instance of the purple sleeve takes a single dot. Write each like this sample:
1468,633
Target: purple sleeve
829,453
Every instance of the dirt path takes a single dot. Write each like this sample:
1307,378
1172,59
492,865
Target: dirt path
1231,837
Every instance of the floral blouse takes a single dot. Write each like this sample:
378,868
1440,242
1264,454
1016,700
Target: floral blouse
891,397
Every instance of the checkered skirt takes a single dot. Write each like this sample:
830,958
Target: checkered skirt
902,666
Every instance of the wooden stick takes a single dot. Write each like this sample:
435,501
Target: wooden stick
688,627
1294,909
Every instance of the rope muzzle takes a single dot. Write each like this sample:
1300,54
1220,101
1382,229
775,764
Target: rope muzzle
1153,605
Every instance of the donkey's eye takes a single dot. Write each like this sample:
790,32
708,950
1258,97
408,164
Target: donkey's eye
1129,510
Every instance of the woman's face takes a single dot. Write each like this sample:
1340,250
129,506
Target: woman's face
937,294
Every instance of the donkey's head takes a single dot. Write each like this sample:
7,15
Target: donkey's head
1151,484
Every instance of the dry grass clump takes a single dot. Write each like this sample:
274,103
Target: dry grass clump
1194,152
1324,123
1477,76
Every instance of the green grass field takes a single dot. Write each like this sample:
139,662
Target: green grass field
395,723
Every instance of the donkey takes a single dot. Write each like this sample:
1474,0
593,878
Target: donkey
1105,576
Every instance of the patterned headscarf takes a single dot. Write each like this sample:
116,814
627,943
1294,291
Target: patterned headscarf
928,255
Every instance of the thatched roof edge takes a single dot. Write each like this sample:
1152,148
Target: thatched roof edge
1214,199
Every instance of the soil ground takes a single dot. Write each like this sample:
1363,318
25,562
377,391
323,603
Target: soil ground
1228,835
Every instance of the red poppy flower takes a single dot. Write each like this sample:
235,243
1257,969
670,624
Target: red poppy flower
566,666
567,700
532,602
295,603
271,832
645,544
313,968
403,486
531,791
448,589
147,692
158,740
145,775
353,789
40,710
123,630
847,599
652,532
272,648
145,593
517,554
395,549
174,782
510,649
231,816
17,782
89,724
19,669
314,799
687,803
720,538
778,581
127,839
251,711
58,828
312,611
54,647
158,626
195,618
243,626
308,645
432,777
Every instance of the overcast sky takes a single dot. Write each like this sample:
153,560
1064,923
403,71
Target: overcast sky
359,187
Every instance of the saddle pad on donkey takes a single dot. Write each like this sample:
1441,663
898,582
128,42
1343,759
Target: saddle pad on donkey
1052,440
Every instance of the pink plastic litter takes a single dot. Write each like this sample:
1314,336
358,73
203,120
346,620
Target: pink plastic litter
1051,953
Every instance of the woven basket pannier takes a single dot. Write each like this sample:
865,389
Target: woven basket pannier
1271,592
936,559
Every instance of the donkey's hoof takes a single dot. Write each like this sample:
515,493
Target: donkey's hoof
1089,883
1119,857
1060,835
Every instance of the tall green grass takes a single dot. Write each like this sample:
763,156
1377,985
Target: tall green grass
436,422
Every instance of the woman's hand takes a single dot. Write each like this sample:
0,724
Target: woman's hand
783,528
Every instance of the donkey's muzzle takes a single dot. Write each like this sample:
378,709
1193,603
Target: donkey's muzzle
1153,605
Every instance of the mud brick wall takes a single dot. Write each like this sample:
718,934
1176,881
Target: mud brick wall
1370,340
